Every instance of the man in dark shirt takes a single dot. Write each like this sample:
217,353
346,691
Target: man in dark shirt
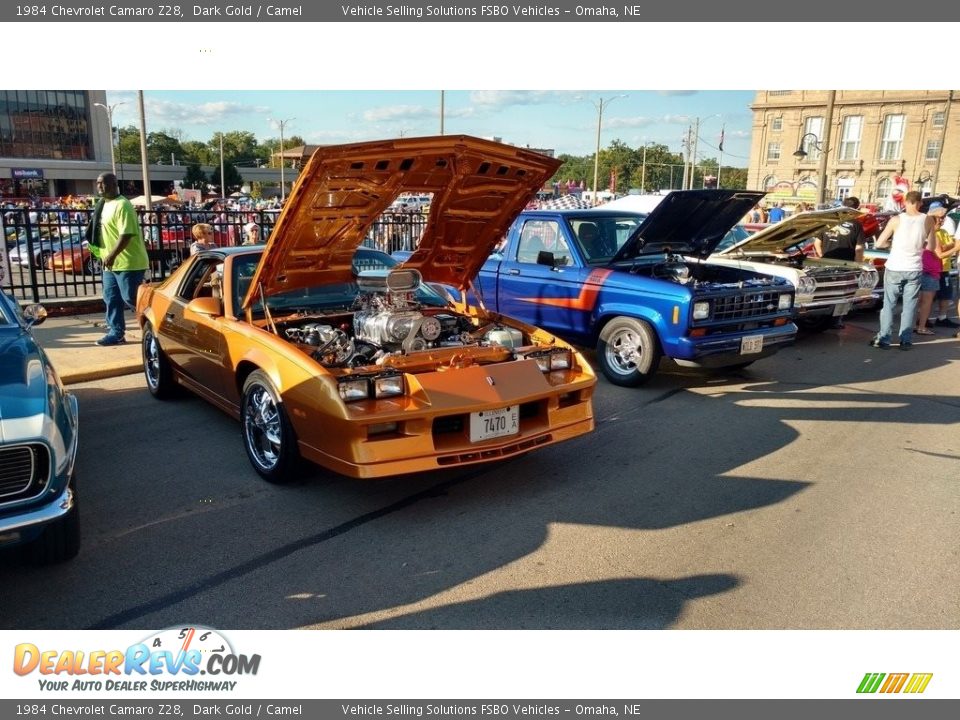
843,241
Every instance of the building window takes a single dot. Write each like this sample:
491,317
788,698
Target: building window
884,186
47,124
891,141
773,152
814,126
850,137
939,118
769,182
781,92
776,125
933,150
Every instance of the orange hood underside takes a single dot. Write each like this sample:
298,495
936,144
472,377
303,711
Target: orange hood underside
478,187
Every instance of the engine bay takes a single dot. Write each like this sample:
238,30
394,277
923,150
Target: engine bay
386,322
701,276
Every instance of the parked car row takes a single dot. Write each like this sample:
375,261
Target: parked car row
463,350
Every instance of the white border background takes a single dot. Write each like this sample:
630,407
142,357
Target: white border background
508,56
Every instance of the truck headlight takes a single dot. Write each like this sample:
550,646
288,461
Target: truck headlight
701,310
785,302
868,279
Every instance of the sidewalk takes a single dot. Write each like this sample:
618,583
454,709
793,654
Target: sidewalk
70,341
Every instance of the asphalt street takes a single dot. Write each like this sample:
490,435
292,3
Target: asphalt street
816,489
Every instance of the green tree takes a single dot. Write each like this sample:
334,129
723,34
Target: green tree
160,147
198,152
195,177
233,177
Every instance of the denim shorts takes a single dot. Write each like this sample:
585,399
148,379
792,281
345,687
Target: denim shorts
929,283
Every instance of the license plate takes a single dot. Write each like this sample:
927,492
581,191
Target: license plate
489,424
751,344
841,309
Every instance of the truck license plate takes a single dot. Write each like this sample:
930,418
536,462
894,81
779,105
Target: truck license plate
841,309
488,424
751,344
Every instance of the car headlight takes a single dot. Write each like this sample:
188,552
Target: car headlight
701,310
388,386
785,302
806,286
364,387
548,360
868,279
352,389
561,360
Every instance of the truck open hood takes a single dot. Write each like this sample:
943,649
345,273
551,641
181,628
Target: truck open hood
789,232
689,222
478,187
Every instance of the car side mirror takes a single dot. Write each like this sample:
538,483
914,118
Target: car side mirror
34,314
206,306
545,257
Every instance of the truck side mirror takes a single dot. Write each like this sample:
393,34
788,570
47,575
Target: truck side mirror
545,257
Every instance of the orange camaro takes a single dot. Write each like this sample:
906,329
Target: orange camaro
334,353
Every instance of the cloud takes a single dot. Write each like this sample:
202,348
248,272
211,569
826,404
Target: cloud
408,113
677,93
490,99
209,113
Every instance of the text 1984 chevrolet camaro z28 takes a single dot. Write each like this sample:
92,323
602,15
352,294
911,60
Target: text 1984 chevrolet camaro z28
332,353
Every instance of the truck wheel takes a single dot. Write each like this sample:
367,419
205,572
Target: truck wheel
628,351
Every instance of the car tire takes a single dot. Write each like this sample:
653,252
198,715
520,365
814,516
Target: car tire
268,436
156,366
42,259
60,540
628,351
92,266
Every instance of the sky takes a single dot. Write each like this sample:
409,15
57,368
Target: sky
562,120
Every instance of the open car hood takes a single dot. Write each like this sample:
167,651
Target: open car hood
689,222
789,232
478,187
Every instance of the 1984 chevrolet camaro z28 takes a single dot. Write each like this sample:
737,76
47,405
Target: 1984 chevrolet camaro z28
332,352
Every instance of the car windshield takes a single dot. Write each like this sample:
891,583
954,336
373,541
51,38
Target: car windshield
737,234
600,237
333,296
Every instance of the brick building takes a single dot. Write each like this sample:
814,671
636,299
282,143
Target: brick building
874,137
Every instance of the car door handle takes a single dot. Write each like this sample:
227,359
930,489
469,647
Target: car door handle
514,271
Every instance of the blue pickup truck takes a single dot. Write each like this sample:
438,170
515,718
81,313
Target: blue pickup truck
636,288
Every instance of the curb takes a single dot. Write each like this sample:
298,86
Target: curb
101,373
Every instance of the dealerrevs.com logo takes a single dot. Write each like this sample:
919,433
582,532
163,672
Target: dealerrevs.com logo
914,683
171,660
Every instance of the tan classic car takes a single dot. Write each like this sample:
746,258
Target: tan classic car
332,352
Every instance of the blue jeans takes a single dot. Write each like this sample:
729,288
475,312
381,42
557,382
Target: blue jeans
897,285
120,291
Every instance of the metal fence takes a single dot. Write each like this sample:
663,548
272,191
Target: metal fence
46,257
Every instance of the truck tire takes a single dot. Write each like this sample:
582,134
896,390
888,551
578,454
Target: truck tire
628,351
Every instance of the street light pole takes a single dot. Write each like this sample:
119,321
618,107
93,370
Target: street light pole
596,158
283,187
109,110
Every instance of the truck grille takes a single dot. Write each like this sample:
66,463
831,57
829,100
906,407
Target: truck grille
747,305
835,285
23,471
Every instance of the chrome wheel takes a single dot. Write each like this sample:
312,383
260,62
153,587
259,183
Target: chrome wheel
261,427
628,351
156,367
268,436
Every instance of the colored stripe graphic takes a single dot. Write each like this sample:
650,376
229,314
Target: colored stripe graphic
895,682
918,682
586,300
870,682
